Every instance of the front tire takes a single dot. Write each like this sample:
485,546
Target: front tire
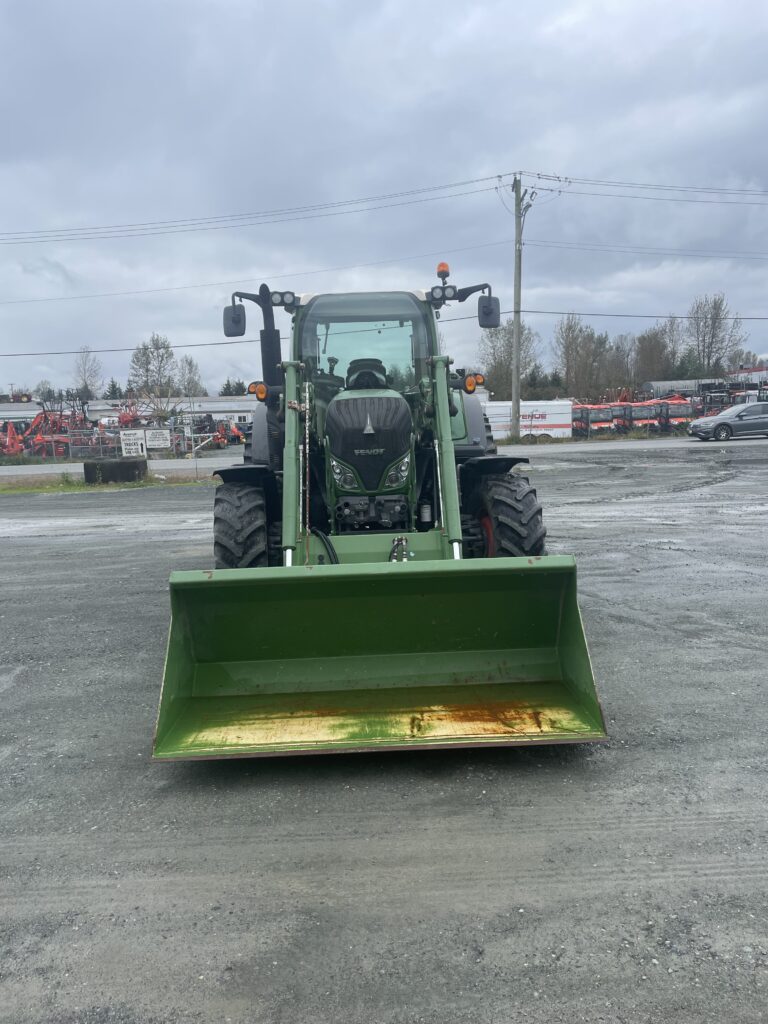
240,527
505,519
723,432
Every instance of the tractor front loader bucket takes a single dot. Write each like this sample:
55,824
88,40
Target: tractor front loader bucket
334,658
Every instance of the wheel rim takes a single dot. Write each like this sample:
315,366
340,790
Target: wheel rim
722,433
490,540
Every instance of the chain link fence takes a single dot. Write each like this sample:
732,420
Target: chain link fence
76,446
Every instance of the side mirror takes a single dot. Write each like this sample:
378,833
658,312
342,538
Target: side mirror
488,311
234,321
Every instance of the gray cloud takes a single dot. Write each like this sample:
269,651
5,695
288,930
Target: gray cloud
125,113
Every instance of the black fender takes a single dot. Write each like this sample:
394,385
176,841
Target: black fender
471,470
256,476
258,449
477,441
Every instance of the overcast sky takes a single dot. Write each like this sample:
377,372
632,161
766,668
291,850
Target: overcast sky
124,113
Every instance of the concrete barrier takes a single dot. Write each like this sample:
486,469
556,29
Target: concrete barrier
114,471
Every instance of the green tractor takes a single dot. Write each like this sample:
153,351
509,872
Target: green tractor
381,578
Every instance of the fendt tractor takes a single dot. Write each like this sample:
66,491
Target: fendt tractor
380,573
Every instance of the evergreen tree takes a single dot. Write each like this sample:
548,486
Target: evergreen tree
114,390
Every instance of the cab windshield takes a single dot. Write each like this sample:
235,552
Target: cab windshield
387,330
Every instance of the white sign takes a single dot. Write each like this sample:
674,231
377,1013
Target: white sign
133,442
158,438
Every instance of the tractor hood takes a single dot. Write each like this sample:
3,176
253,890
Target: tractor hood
368,430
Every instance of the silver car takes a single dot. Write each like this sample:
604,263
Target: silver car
739,420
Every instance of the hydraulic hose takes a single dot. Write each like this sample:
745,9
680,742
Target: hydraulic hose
325,540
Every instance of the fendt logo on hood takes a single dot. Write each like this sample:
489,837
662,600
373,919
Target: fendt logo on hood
369,451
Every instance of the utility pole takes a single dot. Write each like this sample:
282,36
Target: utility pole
521,208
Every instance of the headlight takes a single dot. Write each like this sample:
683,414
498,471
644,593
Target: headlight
398,473
343,477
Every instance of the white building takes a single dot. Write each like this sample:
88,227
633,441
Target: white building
236,409
19,412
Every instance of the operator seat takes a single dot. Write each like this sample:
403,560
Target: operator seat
365,374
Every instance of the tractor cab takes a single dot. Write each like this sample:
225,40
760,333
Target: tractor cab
365,341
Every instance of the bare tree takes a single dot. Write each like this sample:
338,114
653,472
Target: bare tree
44,390
583,357
87,376
494,354
674,336
713,333
188,378
152,375
566,343
652,357
620,361
742,358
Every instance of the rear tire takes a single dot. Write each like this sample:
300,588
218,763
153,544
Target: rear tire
723,432
509,517
240,528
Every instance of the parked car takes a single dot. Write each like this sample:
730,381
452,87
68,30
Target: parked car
739,420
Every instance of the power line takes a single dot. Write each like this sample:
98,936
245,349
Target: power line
443,320
130,348
715,190
366,204
633,316
645,250
255,277
61,233
652,199
262,213
541,243
242,223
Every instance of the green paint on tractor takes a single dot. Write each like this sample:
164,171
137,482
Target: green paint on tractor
408,603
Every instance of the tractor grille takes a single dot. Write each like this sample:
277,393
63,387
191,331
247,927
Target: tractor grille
369,453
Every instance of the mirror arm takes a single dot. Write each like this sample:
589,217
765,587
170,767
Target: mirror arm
464,293
262,299
245,295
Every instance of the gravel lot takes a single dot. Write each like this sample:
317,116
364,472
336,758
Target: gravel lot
620,883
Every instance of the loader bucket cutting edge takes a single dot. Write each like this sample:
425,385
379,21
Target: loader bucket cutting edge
334,658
